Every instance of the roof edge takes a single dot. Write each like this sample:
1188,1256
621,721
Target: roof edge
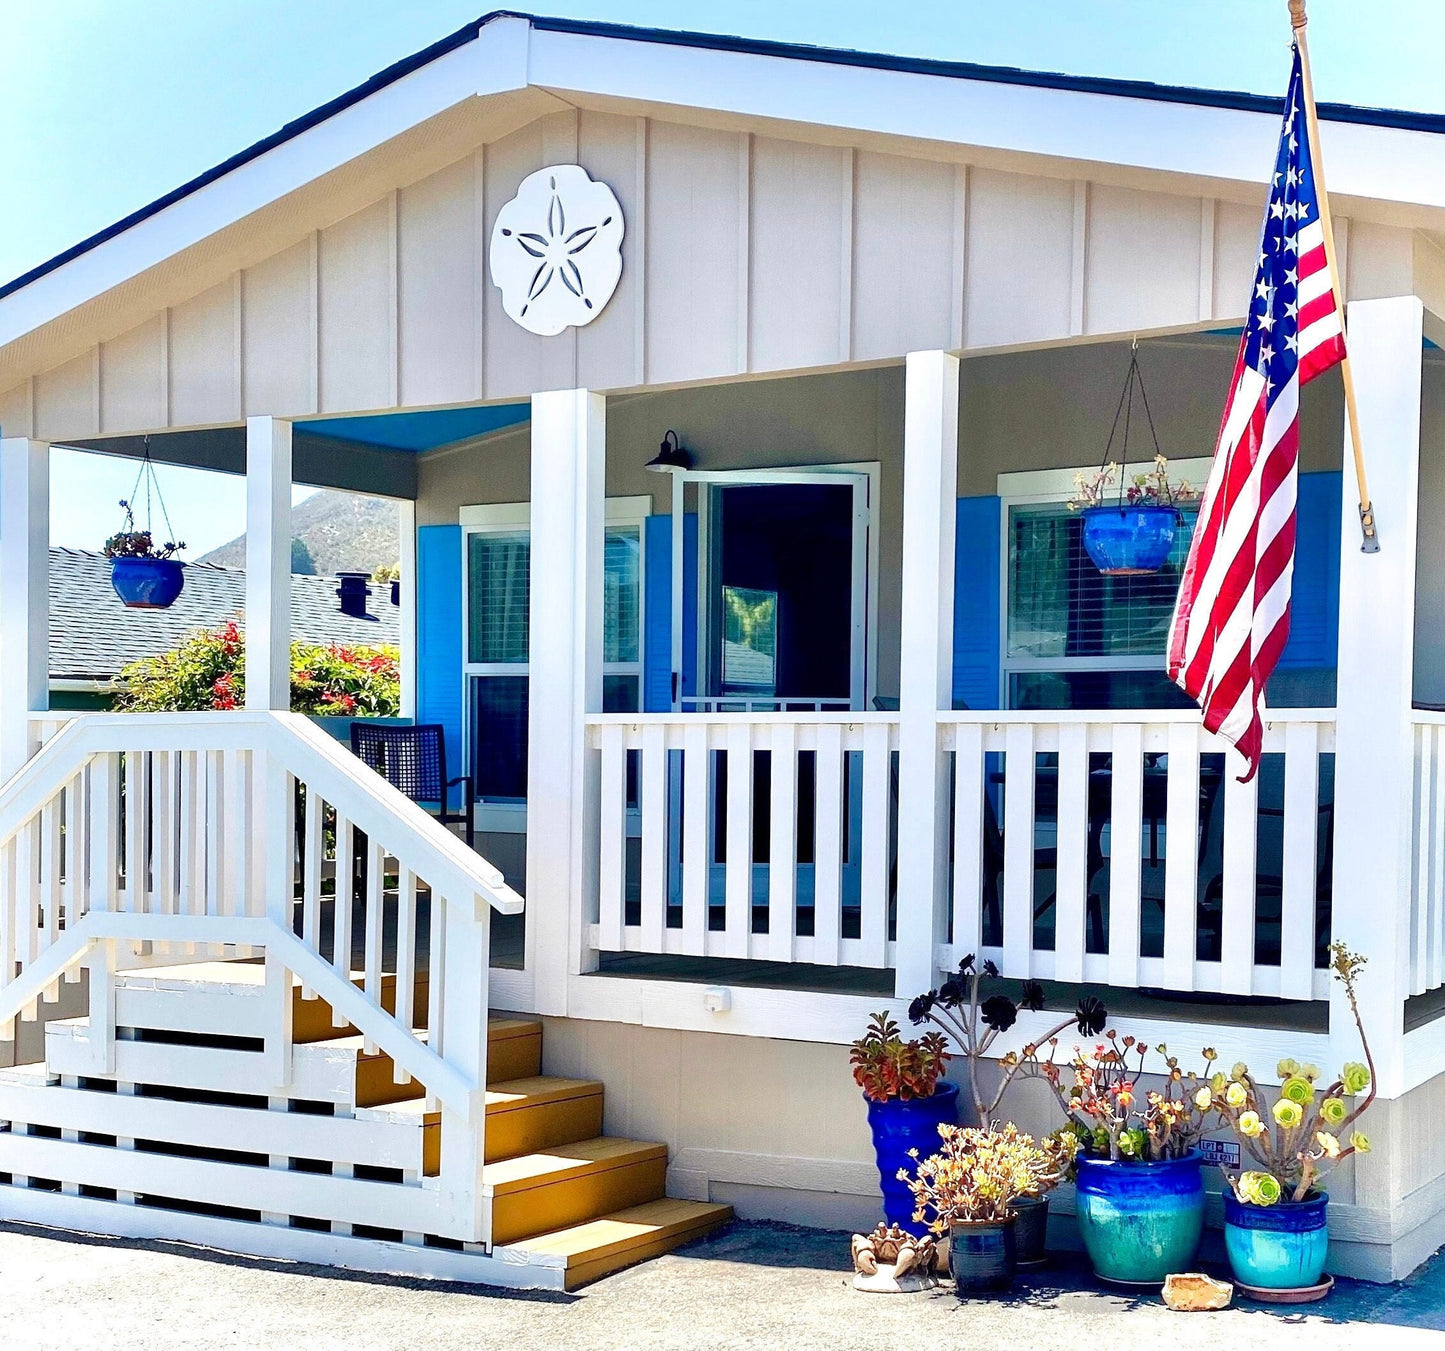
1396,119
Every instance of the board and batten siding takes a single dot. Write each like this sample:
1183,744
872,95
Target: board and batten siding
744,254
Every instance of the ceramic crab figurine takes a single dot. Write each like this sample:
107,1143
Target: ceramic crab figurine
895,1249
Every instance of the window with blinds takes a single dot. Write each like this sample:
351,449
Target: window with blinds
1075,638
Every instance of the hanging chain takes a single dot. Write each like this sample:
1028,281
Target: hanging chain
1125,408
147,475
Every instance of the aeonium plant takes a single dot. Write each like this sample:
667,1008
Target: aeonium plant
1152,488
973,1019
1113,1117
977,1175
132,543
886,1067
1309,1128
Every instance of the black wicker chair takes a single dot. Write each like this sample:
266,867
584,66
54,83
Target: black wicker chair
414,761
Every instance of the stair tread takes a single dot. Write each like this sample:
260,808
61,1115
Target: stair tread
562,1162
32,1072
187,975
609,1235
514,1094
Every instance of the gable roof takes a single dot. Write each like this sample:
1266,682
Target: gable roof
1398,119
92,635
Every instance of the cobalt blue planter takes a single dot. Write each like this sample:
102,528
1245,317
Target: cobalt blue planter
1140,1221
146,583
1125,541
1279,1247
982,1258
899,1126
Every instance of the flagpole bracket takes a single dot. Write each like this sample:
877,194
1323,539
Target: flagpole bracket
1370,544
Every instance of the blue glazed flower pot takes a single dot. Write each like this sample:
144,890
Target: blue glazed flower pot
899,1126
1140,1221
1125,541
147,583
982,1258
1279,1247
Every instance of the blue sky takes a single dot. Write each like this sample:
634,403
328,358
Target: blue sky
108,105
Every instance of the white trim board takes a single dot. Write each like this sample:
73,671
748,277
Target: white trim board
1057,485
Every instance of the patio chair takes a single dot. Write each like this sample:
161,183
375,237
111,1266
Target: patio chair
414,761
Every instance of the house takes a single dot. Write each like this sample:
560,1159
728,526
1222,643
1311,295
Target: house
773,734
92,635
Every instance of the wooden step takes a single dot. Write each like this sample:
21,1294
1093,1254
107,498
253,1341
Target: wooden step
572,1184
523,1116
597,1247
514,1049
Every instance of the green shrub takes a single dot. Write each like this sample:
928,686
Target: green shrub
208,671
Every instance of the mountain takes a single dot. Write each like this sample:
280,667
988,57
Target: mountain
339,532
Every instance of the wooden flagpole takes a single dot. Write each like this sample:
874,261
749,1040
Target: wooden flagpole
1371,541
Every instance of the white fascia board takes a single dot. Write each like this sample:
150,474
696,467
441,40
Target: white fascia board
493,63
1383,163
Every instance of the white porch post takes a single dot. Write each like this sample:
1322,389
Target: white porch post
925,681
406,533
1374,755
24,595
268,564
565,684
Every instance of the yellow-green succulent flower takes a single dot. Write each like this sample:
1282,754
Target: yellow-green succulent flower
1328,1143
1250,1125
1260,1189
1360,1142
1355,1078
1310,1072
1333,1111
1288,1114
1217,1082
1239,1071
1297,1089
1287,1067
1236,1095
1204,1099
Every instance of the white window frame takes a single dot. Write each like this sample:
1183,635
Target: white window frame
1049,487
510,518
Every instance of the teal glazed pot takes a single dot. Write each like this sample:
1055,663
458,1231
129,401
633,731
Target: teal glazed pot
1279,1247
899,1126
1140,1221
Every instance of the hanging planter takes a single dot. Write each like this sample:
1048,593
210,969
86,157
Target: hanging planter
144,574
1131,531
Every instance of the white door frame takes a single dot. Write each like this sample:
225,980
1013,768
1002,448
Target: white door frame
865,478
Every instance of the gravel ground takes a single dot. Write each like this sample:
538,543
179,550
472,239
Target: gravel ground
763,1286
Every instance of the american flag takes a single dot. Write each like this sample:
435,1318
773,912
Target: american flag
1231,618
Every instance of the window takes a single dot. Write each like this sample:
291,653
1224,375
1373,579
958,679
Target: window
1074,638
498,556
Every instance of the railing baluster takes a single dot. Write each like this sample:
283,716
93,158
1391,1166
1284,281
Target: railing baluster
104,831
1435,832
1181,862
654,836
313,848
405,945
968,817
215,834
133,896
696,864
435,969
1126,816
1071,860
163,830
345,895
26,890
612,861
50,871
1236,920
828,846
1297,904
873,860
738,878
10,912
1018,850
375,911
783,843
77,847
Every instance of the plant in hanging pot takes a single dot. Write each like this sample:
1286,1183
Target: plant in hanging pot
908,1100
1139,1192
970,1188
1276,1229
973,1015
145,575
1131,531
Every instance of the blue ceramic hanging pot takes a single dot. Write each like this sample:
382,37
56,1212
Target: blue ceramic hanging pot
1126,541
1279,1247
147,583
899,1125
1140,1221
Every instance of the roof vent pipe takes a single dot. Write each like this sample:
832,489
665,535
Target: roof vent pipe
353,592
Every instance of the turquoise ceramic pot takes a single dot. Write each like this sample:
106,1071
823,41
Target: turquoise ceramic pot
1279,1247
1140,1221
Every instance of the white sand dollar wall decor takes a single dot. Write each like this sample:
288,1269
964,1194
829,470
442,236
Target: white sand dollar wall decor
556,251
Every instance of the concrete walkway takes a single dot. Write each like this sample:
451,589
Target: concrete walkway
753,1286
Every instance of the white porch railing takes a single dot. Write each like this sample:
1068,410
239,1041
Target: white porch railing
182,831
699,858
1427,889
1107,836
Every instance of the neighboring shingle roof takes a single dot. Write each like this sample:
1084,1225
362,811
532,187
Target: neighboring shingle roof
958,70
92,635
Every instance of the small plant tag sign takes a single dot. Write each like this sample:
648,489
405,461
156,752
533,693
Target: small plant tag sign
1224,1153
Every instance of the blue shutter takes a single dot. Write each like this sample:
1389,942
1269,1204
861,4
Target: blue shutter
439,624
975,603
657,639
1314,623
